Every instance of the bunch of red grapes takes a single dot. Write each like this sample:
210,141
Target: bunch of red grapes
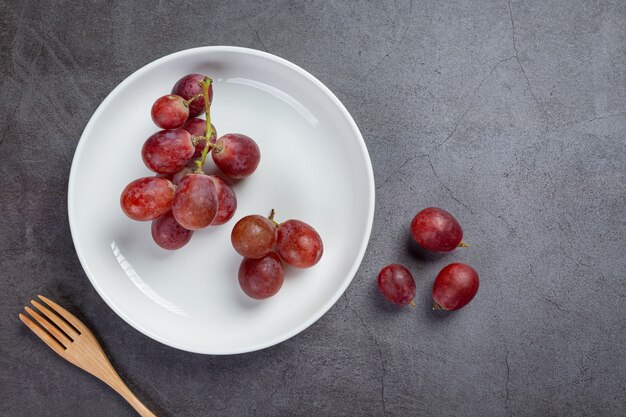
181,198
263,243
435,230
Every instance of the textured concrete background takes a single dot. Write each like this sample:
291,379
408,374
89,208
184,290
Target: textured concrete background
511,115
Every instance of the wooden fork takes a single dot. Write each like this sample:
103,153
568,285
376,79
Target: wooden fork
74,342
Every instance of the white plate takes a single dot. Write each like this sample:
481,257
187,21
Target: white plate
314,167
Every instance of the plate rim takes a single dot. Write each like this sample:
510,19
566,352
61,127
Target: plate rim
365,238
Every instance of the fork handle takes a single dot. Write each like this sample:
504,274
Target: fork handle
112,379
118,385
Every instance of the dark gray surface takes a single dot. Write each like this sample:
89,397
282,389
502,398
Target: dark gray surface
510,115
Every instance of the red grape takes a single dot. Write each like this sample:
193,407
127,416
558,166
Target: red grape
147,198
236,155
299,244
436,230
188,169
167,151
189,86
396,284
168,234
195,203
253,236
261,278
454,287
170,112
226,201
197,127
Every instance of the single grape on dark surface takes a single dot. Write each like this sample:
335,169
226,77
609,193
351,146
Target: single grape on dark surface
197,127
436,230
253,236
188,87
236,155
147,198
299,244
168,151
170,112
226,201
261,278
195,203
396,284
455,286
168,234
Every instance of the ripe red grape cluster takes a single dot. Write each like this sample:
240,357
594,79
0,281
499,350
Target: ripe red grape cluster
181,198
435,230
264,244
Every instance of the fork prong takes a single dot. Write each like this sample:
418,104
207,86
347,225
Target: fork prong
65,314
48,340
56,333
56,319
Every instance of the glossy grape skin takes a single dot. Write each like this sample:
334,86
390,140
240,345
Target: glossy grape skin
147,198
189,86
455,286
253,236
436,230
168,151
197,127
236,155
261,278
226,201
168,234
169,112
195,203
396,284
299,244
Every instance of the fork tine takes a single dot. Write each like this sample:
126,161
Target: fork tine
56,319
59,322
58,335
48,340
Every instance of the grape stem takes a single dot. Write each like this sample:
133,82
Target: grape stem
205,84
187,102
437,307
463,245
271,217
196,139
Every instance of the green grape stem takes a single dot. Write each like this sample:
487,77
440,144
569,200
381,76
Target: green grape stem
205,84
197,139
188,102
271,217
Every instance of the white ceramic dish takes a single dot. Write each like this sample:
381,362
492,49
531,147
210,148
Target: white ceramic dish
314,167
